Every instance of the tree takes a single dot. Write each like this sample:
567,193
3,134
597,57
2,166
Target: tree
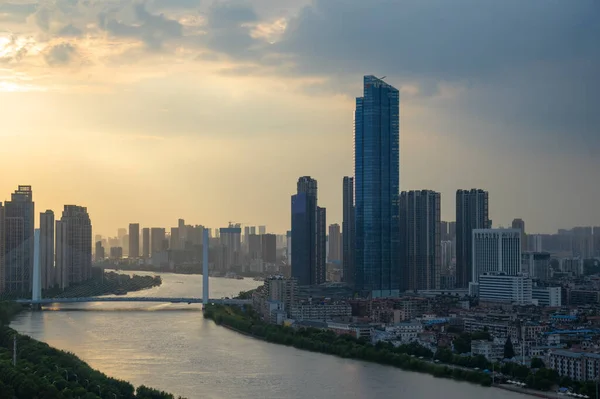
509,351
537,363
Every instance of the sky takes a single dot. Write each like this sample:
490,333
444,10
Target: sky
150,111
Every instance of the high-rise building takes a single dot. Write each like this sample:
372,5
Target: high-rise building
519,224
47,249
321,270
134,240
335,243
288,251
377,184
252,229
348,231
146,242
99,251
444,231
2,270
420,240
73,246
158,237
269,248
254,246
175,242
231,244
262,230
451,231
304,231
536,265
496,250
19,240
121,232
471,214
182,231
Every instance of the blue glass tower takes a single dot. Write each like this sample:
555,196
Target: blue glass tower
377,189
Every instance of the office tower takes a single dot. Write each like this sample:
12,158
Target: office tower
420,254
73,246
175,238
519,224
471,214
231,243
496,250
269,248
376,185
157,237
335,243
304,231
254,246
348,231
134,240
321,270
121,232
99,251
262,230
47,249
146,242
19,241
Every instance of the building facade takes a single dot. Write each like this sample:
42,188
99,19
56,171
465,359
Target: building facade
269,248
335,243
19,240
73,246
158,237
47,249
304,232
547,296
377,187
134,240
321,271
145,242
420,240
536,265
496,250
471,214
348,231
499,287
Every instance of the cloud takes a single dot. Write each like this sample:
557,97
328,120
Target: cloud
150,28
70,31
61,54
174,4
16,11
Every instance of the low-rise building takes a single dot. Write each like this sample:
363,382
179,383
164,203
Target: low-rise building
578,366
500,287
547,296
320,311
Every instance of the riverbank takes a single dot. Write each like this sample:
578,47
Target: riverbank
45,372
110,283
329,343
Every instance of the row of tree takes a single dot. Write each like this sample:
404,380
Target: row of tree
43,372
109,283
407,357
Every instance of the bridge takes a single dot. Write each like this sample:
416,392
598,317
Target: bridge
36,295
48,301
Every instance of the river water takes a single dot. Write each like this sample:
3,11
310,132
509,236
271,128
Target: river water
173,348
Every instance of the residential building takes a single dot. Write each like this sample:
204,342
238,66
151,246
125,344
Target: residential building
420,240
254,246
116,253
134,240
158,237
377,187
47,249
19,241
282,289
547,296
348,231
146,242
288,250
98,253
335,243
496,250
572,265
175,239
304,232
262,230
578,366
471,214
321,270
269,248
500,287
231,244
491,350
73,246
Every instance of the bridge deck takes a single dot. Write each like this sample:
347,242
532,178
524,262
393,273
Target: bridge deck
46,301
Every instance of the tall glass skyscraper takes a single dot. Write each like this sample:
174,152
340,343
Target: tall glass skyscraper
377,186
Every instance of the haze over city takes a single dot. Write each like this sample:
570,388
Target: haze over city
151,111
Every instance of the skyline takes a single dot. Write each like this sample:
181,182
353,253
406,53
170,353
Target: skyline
132,102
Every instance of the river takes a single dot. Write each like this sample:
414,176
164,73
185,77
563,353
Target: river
173,348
